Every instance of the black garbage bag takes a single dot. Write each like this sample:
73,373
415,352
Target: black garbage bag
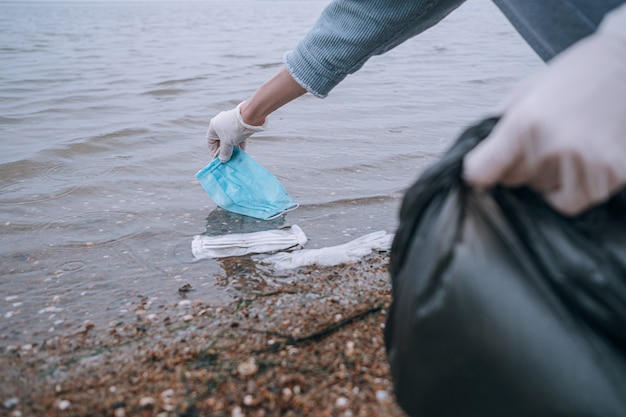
503,307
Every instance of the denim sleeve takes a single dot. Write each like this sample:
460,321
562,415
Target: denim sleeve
349,32
551,26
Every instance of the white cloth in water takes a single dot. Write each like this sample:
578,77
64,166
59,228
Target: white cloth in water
333,255
238,244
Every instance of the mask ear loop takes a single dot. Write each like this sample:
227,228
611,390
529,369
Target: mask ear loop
283,212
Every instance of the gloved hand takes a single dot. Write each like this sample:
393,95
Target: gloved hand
564,132
227,130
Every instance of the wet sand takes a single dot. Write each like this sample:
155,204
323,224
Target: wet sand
311,345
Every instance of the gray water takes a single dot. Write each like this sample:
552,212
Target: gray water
103,111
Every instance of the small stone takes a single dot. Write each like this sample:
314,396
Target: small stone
287,393
64,405
248,400
11,403
248,367
188,317
120,412
185,288
167,394
147,402
237,412
342,402
382,396
350,348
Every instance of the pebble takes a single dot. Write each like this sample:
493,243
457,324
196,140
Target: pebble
382,396
64,405
248,367
185,288
11,403
350,348
147,402
342,402
167,394
237,412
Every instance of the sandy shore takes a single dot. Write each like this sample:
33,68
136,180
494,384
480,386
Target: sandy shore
309,345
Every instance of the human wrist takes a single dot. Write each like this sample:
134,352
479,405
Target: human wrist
251,117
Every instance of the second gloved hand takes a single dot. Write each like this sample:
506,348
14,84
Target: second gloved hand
564,133
228,130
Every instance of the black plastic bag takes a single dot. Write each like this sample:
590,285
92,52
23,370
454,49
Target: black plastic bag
503,307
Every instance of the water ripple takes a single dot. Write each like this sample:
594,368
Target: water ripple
95,229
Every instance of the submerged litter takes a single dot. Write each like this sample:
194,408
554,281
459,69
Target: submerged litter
294,238
333,255
238,244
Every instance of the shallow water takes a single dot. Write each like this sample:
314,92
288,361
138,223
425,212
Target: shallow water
103,110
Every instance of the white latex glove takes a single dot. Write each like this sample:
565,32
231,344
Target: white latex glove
228,130
564,132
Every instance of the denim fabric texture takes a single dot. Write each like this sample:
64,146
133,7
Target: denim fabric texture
349,32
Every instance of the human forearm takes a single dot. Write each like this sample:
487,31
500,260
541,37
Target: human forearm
273,94
230,129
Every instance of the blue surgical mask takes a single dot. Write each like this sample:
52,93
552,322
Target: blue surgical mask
243,186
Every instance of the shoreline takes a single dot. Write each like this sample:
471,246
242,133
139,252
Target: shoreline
311,345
